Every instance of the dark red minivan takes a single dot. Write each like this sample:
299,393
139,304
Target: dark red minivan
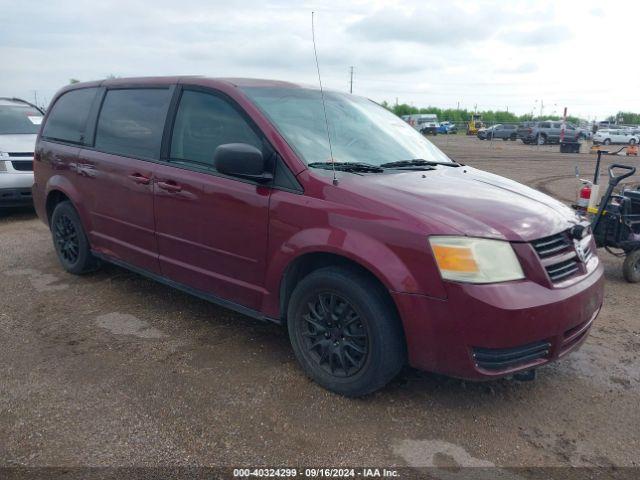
375,249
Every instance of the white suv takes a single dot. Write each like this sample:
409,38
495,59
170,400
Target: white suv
607,137
19,125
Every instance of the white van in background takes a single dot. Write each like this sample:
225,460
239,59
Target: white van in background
425,123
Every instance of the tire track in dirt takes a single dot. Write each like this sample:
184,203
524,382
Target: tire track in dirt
541,184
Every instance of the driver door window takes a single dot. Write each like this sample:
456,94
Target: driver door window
203,123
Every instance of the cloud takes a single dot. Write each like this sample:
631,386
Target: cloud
423,52
440,25
543,35
523,68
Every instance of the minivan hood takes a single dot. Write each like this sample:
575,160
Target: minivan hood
472,202
19,143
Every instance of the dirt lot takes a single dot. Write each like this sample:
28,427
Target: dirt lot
114,369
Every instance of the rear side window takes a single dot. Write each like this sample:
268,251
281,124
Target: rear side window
68,117
204,122
131,122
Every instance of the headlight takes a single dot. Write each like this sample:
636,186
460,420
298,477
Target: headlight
475,260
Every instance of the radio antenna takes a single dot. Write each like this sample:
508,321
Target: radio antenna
324,108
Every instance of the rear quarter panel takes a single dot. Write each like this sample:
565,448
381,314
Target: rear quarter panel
54,169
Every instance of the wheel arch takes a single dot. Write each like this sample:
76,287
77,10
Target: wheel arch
307,263
59,189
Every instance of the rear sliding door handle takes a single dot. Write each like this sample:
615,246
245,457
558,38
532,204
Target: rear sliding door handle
169,186
139,178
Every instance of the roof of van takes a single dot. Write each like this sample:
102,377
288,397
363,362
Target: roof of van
192,79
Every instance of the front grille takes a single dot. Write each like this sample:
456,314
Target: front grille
503,358
562,270
553,245
23,165
559,255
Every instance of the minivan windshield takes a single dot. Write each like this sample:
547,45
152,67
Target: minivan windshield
360,129
19,120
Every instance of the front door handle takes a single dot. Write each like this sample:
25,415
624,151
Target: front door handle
139,178
169,186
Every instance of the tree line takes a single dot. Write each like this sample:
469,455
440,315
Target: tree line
463,115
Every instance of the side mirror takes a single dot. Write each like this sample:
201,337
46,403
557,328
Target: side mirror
241,160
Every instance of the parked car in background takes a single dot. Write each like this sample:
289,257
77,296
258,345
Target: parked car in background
505,132
19,125
447,128
582,132
545,132
607,137
425,123
382,253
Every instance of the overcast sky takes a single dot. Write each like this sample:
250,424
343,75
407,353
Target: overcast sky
581,54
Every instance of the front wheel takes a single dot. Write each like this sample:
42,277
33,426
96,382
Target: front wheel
632,141
606,141
631,267
70,241
345,332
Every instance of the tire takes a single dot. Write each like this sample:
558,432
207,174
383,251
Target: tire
357,354
631,267
632,141
541,139
606,141
69,240
504,139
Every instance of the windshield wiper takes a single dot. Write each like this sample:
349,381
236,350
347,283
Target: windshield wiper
417,162
348,166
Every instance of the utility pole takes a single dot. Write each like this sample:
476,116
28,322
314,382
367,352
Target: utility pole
351,79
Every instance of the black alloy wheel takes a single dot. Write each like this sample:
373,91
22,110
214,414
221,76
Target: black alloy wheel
345,331
70,241
334,336
66,238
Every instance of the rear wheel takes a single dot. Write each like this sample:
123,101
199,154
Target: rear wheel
631,267
632,141
607,141
541,139
70,241
345,332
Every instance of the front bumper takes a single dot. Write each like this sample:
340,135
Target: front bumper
15,197
477,322
15,188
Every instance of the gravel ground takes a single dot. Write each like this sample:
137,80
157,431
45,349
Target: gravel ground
112,369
